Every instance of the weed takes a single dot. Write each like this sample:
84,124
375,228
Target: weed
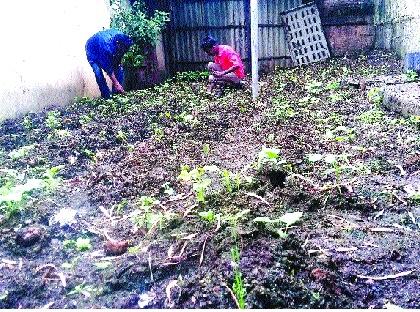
288,219
411,75
340,134
21,152
53,120
85,119
269,158
206,149
372,116
230,181
238,286
13,196
121,136
50,177
208,216
200,181
314,87
147,217
375,96
27,123
86,290
333,85
89,154
121,206
81,244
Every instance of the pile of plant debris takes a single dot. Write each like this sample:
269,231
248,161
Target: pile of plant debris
171,198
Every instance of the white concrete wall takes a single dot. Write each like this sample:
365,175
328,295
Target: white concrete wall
42,56
398,25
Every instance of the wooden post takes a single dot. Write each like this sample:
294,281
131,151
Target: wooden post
254,47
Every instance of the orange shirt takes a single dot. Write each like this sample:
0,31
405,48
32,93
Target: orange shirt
227,58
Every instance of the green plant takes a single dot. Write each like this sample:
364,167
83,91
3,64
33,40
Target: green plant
314,87
21,152
121,136
206,149
269,157
53,120
372,116
50,177
81,244
375,96
13,196
200,181
209,215
411,75
89,154
148,217
143,31
281,110
288,219
86,290
121,206
238,286
340,134
192,76
85,119
27,123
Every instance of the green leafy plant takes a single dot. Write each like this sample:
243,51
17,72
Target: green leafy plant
148,217
81,244
372,116
200,182
21,152
83,289
375,96
269,158
340,134
411,75
314,87
121,136
53,120
50,177
27,123
238,286
144,31
208,216
14,194
288,219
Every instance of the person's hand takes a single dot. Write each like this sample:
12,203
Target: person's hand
119,88
218,74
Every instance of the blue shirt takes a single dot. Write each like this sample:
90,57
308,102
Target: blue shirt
106,48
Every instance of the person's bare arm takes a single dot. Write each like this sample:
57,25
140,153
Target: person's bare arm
116,84
227,71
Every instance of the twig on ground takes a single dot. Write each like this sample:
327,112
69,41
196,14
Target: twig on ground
150,266
381,278
189,209
202,251
301,177
403,172
258,197
233,295
382,230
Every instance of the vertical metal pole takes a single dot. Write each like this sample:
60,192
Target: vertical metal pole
254,47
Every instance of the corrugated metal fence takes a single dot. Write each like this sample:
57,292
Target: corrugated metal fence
226,20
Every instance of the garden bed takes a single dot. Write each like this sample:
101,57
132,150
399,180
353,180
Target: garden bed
171,198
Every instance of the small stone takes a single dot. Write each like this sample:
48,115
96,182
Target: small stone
28,236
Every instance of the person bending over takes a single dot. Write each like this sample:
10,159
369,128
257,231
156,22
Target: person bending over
227,67
104,51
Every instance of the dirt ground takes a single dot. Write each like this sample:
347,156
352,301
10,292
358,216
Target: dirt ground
145,231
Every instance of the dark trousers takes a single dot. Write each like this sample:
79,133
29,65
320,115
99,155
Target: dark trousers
100,79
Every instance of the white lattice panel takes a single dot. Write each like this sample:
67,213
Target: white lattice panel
306,39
